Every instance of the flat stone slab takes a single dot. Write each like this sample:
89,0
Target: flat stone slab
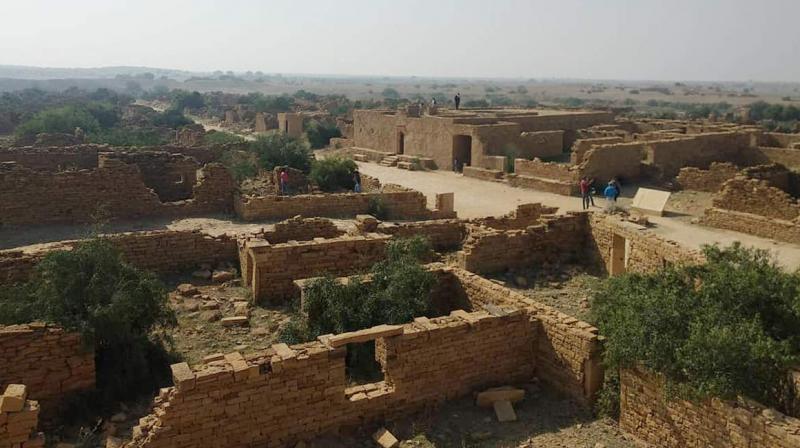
650,202
504,411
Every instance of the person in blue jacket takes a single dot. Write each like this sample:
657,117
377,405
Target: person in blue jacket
611,193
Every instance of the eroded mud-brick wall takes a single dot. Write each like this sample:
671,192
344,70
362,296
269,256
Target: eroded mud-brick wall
51,362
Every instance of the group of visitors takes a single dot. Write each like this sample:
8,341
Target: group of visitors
611,192
284,181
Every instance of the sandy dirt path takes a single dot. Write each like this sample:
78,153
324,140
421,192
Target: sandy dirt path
477,198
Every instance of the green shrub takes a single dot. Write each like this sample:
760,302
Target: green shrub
397,291
171,118
333,173
241,164
58,120
377,208
219,138
281,150
726,328
117,308
319,134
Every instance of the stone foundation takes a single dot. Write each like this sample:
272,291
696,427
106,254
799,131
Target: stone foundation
19,419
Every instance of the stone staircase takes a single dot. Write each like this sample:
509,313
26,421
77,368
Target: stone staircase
389,161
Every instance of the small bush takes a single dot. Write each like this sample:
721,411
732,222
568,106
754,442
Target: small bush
377,208
117,308
333,173
58,120
726,328
171,118
128,137
240,164
281,150
219,138
397,291
319,134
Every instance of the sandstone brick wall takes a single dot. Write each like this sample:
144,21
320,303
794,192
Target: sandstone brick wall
556,238
525,215
645,251
621,160
785,156
567,351
567,188
711,180
777,139
646,413
18,427
697,150
51,362
482,173
301,229
163,251
444,234
754,196
270,269
541,143
582,145
752,224
287,394
548,170
53,158
114,190
400,205
171,176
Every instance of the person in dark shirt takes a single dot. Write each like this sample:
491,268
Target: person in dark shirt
457,100
356,182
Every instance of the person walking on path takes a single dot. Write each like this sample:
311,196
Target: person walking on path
457,100
591,192
284,178
356,182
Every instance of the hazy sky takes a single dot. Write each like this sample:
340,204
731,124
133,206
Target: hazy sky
621,39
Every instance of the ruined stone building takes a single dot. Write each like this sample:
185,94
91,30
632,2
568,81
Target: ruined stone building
469,137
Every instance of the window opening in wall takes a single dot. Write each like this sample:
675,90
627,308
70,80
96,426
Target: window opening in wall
361,367
401,143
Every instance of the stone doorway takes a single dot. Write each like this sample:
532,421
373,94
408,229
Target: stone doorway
462,152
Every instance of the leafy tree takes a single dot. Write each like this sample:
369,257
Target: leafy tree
319,134
281,150
182,99
217,138
390,93
171,118
333,173
63,120
116,307
725,328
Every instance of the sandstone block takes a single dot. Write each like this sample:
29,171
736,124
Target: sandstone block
236,321
490,396
385,439
13,399
504,411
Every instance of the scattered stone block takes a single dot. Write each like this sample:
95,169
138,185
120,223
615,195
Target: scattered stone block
221,276
236,321
490,396
13,399
504,411
385,439
203,273
187,290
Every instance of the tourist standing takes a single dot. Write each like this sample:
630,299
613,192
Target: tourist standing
591,192
617,186
457,100
584,186
610,193
284,179
356,182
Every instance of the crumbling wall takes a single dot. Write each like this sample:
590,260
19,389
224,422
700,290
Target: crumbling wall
114,190
53,158
171,176
301,229
710,180
621,160
644,251
777,139
51,362
752,224
548,170
757,197
540,144
669,156
555,238
482,173
648,414
162,251
582,145
525,215
288,394
785,156
271,268
400,205
444,234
